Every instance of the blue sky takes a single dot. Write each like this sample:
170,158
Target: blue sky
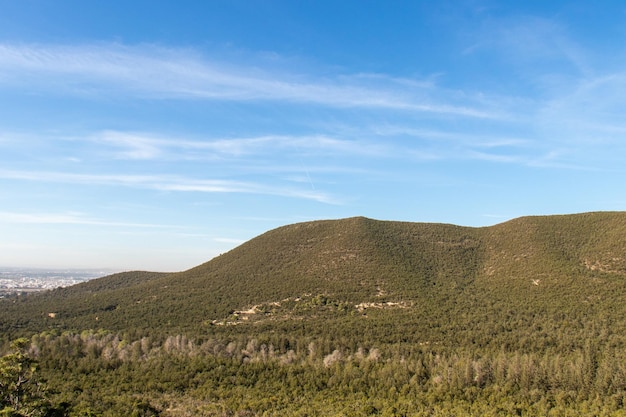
157,135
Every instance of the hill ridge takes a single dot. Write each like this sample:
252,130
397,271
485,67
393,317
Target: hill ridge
352,261
350,317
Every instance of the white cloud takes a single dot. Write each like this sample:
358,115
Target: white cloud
138,145
588,112
152,71
67,218
133,146
169,183
495,157
529,42
574,116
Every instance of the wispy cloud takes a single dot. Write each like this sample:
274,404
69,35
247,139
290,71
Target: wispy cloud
138,145
530,41
170,183
132,145
492,157
590,112
477,139
69,218
574,117
159,72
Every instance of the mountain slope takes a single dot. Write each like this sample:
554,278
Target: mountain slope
350,317
336,269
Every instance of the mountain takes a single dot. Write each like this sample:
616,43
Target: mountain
544,263
351,317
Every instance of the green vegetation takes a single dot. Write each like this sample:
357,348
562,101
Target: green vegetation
352,317
20,392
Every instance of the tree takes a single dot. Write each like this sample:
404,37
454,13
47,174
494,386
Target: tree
20,393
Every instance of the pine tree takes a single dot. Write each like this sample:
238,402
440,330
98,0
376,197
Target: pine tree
20,392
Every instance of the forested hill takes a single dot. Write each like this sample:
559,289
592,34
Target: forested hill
550,260
353,317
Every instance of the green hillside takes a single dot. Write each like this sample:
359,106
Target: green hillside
526,317
354,260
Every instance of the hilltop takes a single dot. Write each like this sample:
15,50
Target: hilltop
426,318
551,261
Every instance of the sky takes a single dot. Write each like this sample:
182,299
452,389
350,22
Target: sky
156,135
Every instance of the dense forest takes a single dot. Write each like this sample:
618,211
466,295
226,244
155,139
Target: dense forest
351,317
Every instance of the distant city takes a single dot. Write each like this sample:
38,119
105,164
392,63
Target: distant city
16,280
